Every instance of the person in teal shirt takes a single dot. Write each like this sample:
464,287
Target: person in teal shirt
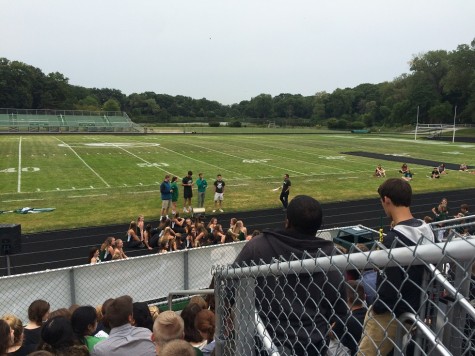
174,188
202,185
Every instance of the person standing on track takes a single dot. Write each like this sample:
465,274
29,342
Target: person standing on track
284,194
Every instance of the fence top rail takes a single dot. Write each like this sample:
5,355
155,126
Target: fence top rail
460,249
98,265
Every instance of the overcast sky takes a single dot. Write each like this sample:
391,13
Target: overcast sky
229,50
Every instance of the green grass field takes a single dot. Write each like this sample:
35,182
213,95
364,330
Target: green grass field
96,179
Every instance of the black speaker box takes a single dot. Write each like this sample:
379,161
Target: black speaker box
10,239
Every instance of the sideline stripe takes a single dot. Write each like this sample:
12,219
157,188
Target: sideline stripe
88,166
19,167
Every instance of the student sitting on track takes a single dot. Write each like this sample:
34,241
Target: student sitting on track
463,167
407,175
133,240
379,171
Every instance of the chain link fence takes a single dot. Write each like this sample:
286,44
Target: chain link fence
148,278
261,309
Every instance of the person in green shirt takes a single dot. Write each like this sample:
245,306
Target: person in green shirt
202,185
174,187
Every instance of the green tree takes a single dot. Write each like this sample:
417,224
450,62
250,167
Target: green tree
111,105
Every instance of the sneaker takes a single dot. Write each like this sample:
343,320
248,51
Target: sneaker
185,210
214,211
221,210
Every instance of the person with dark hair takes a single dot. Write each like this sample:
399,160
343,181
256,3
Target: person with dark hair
174,189
58,337
219,186
5,337
142,316
205,323
202,184
187,183
124,339
133,240
398,287
192,335
284,194
349,329
38,312
93,256
299,323
166,196
84,324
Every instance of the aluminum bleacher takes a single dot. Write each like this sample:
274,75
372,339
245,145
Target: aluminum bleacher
65,121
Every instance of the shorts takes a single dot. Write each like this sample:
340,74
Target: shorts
166,204
218,196
188,195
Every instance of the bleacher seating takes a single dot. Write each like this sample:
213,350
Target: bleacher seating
13,120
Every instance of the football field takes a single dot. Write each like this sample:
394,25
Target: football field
99,179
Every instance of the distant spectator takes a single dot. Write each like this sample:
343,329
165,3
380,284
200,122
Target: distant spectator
463,167
201,235
141,316
84,324
192,335
168,238
147,234
140,226
407,175
174,188
442,169
6,337
427,219
58,337
133,240
94,256
178,223
254,234
404,168
435,173
124,339
16,347
119,253
38,312
205,323
379,171
228,237
218,234
107,249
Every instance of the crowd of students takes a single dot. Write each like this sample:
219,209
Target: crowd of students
117,327
173,234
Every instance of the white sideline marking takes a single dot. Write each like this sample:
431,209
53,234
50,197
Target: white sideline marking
86,196
10,201
236,185
347,177
88,166
19,167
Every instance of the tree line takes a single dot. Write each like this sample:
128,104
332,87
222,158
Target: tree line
439,81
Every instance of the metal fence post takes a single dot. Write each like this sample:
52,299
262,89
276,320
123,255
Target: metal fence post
186,277
72,286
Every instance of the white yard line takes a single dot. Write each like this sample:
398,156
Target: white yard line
140,158
88,166
241,158
86,196
209,164
15,200
19,167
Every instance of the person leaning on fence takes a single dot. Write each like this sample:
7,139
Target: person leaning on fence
296,309
399,288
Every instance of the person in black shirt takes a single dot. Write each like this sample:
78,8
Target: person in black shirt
284,194
187,183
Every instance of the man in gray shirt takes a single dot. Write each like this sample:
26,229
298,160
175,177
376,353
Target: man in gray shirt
124,339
